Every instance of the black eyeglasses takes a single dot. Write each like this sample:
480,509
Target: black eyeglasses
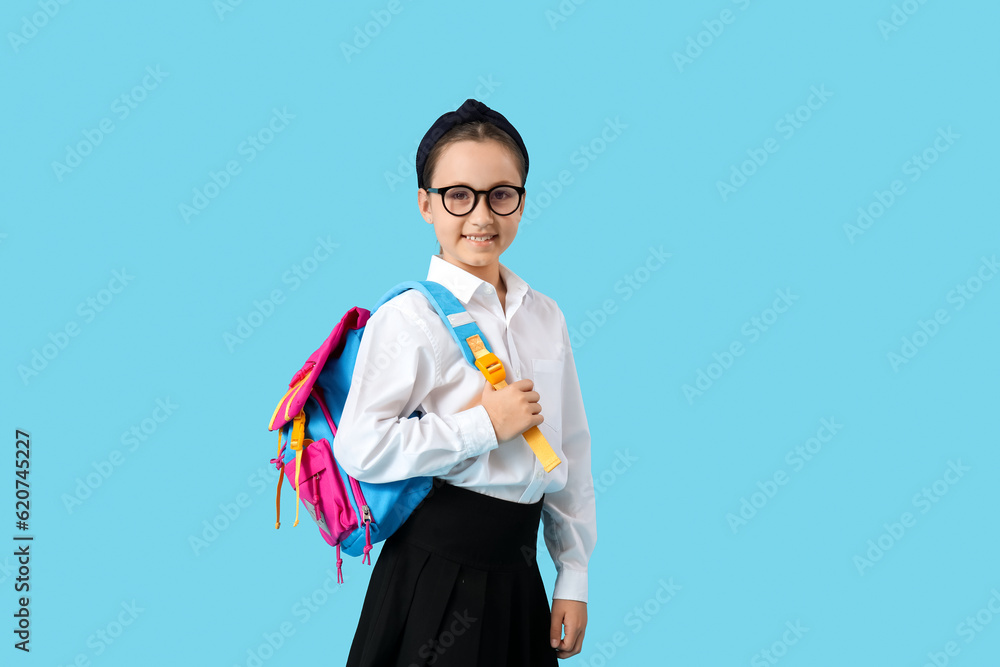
461,199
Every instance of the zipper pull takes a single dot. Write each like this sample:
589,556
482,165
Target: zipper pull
366,514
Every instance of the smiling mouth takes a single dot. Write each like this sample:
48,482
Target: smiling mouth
480,239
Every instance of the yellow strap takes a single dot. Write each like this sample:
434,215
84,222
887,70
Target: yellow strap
295,390
298,485
476,345
492,369
292,389
297,443
542,449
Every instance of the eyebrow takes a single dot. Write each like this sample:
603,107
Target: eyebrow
463,183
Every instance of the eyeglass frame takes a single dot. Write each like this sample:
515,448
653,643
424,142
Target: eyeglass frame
475,193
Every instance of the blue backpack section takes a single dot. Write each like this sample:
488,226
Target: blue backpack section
390,503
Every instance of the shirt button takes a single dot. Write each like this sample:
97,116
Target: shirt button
539,475
489,290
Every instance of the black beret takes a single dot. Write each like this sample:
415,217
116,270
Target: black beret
471,110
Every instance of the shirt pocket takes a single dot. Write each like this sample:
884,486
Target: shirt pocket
547,374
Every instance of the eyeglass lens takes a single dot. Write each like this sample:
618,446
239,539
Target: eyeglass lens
503,200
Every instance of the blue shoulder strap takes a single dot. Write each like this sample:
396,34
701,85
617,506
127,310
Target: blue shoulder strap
453,314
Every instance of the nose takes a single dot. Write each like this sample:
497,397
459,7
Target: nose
481,213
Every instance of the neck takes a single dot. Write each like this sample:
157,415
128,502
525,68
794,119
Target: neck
489,273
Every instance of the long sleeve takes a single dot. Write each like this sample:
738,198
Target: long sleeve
570,515
398,364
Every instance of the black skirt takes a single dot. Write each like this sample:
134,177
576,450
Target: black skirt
457,585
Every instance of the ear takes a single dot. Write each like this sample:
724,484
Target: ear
424,205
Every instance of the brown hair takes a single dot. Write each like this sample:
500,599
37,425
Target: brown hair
474,131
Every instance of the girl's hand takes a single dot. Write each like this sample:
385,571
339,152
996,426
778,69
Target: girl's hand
512,410
571,614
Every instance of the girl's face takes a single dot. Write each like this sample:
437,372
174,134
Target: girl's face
481,166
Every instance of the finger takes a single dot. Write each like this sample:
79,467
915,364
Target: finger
555,630
569,638
568,645
578,646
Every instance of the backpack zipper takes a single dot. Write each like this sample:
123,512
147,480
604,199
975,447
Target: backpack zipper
359,497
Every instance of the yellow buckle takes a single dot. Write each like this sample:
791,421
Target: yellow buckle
492,368
298,431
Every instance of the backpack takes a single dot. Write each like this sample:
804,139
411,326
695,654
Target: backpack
352,515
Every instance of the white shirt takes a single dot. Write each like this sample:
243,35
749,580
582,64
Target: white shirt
408,360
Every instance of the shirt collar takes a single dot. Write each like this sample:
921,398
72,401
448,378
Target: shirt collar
464,285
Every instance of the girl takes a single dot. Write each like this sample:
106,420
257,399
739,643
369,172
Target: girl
458,584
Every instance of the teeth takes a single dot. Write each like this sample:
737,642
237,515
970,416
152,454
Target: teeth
479,238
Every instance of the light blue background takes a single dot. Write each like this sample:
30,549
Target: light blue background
359,116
